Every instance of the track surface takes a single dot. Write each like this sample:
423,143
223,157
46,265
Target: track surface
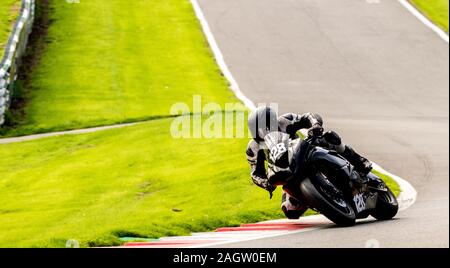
375,73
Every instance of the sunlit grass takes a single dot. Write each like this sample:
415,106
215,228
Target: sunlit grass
128,182
436,10
107,62
9,10
120,61
125,182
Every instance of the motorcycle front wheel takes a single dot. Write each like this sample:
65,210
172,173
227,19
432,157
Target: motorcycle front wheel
387,206
332,205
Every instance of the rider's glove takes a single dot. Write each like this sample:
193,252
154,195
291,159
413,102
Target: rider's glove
315,131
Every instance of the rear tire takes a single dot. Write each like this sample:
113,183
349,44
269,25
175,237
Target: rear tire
387,206
320,201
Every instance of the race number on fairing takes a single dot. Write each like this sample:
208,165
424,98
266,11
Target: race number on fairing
359,202
278,150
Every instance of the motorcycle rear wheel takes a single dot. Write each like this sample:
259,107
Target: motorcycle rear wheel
338,211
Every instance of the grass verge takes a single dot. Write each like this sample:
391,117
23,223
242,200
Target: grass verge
129,182
9,11
436,10
124,182
108,62
114,61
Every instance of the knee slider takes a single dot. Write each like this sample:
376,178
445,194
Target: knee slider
289,203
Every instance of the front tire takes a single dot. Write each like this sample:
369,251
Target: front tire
387,206
339,211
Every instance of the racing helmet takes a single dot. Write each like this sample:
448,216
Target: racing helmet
262,121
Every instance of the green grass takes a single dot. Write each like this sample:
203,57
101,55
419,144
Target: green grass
126,182
9,10
437,10
390,182
121,61
114,61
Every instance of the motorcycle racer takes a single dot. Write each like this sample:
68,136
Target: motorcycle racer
265,120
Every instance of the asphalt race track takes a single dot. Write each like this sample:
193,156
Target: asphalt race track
375,73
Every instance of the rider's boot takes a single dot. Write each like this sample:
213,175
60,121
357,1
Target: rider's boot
361,164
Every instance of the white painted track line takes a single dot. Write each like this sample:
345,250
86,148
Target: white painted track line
406,199
408,194
219,57
425,20
259,235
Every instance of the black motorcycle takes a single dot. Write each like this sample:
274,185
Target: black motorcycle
328,182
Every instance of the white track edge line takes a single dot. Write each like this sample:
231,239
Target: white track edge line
406,198
441,33
262,236
234,86
408,194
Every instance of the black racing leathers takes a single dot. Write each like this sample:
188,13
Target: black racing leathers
257,151
291,124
